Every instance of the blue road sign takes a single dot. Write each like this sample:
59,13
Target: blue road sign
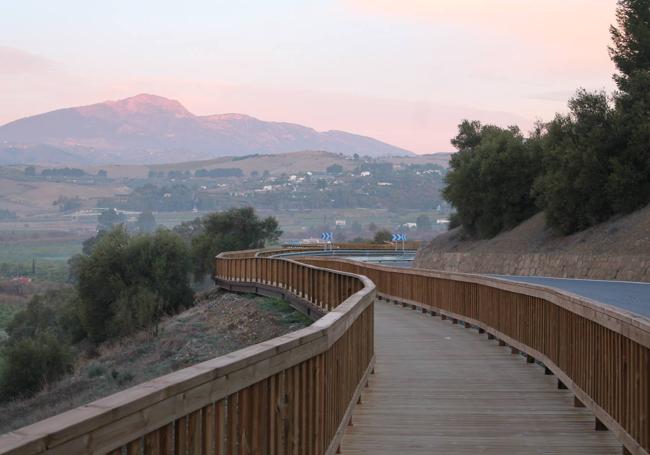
327,236
399,237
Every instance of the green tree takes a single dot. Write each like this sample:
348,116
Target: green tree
30,171
629,180
491,177
335,169
146,222
234,229
31,363
578,149
383,236
109,218
130,282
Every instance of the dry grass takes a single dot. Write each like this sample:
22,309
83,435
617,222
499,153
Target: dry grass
218,324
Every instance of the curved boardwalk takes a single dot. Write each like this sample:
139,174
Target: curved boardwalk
442,389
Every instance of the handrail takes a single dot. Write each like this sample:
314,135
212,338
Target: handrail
601,353
291,394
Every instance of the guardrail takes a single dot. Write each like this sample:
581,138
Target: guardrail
600,353
292,394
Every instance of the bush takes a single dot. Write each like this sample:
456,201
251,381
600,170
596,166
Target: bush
491,178
383,236
234,229
128,283
30,364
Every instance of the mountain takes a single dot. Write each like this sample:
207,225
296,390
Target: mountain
149,128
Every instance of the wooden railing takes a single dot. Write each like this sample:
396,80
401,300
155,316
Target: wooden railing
599,352
289,395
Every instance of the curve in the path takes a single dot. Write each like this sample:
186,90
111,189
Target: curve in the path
442,389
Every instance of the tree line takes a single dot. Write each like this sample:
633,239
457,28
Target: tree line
581,168
122,283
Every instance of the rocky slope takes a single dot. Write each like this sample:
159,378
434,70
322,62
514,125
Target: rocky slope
617,249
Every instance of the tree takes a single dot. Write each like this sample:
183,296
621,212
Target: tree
30,171
334,169
234,229
102,174
424,223
130,282
578,149
630,51
629,180
383,236
109,218
491,178
146,222
31,363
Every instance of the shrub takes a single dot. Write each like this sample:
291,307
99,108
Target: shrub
31,363
383,236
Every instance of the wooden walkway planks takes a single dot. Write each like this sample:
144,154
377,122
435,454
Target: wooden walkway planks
442,389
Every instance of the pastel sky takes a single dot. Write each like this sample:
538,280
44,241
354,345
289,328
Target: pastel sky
403,71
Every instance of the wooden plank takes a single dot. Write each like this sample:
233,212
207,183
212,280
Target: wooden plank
473,397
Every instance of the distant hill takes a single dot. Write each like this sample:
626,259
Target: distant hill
616,249
152,129
275,164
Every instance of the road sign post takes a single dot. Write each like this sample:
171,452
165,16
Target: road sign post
399,238
327,237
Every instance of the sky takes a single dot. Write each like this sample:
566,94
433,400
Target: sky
404,71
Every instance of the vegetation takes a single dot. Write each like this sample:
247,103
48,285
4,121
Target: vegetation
580,168
383,236
62,172
128,283
122,284
234,229
68,204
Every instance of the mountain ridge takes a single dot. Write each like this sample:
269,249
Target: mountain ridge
149,128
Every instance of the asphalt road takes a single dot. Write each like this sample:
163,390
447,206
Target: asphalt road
634,297
630,296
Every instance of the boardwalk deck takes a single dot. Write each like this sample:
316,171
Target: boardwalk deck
442,389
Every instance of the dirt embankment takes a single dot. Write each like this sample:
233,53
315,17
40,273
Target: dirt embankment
218,324
618,249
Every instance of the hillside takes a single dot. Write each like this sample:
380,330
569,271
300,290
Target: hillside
617,249
218,324
150,129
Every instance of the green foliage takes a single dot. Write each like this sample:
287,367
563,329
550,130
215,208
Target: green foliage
335,169
578,148
68,204
54,313
383,236
595,160
631,41
491,178
109,218
146,222
232,230
128,283
31,363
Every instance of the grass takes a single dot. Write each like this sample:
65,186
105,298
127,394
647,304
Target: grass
46,250
289,314
50,258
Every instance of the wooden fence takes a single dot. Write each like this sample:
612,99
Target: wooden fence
289,395
601,353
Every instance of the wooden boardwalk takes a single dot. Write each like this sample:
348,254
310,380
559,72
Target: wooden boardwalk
440,388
